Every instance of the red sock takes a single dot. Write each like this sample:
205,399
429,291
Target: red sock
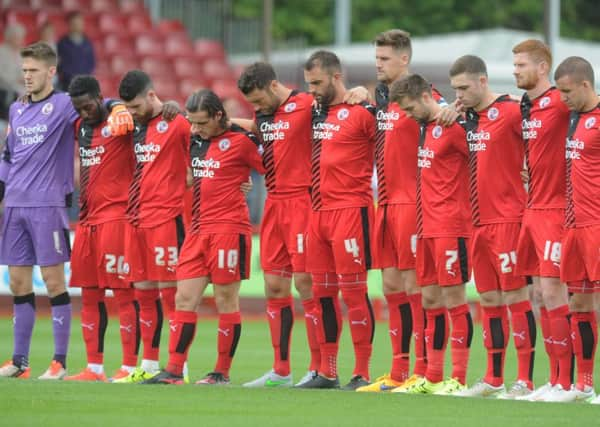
418,327
181,335
362,322
400,329
462,335
584,329
329,318
495,339
436,340
230,329
280,315
562,345
128,325
151,319
94,320
524,330
547,334
167,296
311,322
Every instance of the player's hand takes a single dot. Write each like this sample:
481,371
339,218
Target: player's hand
524,176
170,109
23,99
447,116
119,120
356,95
246,187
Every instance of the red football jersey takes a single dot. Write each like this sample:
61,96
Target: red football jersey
496,155
219,167
443,208
286,138
106,167
342,156
158,185
396,150
545,123
583,169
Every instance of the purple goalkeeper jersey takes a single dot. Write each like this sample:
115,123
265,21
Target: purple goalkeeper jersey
37,163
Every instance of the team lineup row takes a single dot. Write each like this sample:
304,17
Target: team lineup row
451,200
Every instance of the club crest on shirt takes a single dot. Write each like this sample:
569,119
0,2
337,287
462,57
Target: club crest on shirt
162,126
590,122
47,108
343,114
224,144
437,132
105,131
493,113
289,107
544,102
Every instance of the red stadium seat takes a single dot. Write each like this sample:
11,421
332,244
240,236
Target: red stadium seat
82,5
149,44
132,6
225,88
189,86
111,6
156,66
209,49
168,26
166,88
215,69
57,19
112,23
115,44
186,68
179,46
139,23
27,18
109,87
47,4
121,64
103,69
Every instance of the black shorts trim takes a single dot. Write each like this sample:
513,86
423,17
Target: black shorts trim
463,259
243,260
364,216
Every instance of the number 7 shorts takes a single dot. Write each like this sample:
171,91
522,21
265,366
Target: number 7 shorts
443,261
223,257
151,253
98,256
339,241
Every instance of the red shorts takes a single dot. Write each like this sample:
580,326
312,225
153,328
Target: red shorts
395,237
442,261
283,234
583,287
581,254
152,252
224,258
494,254
97,259
538,249
340,241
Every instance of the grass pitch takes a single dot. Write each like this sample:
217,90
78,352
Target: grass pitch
38,403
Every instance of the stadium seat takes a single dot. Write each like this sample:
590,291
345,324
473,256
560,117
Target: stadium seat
225,88
139,23
168,26
58,20
179,45
27,18
186,68
216,69
166,88
115,44
109,87
103,69
191,85
83,5
110,23
206,48
156,66
47,5
132,6
105,6
121,64
149,44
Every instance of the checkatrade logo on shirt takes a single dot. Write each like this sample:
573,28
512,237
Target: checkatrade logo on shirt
31,135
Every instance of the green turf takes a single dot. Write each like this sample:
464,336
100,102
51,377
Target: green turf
29,403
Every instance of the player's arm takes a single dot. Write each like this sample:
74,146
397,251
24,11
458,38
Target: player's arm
254,152
119,119
356,95
247,124
5,160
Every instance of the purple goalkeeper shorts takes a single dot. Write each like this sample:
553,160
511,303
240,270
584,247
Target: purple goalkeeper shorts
35,236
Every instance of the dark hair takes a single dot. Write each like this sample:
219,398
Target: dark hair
398,39
40,51
576,67
72,15
206,100
256,76
134,83
84,85
324,59
469,64
411,86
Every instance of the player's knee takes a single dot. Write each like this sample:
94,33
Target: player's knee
491,299
431,297
454,296
516,296
186,300
303,284
581,303
227,303
555,297
277,287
